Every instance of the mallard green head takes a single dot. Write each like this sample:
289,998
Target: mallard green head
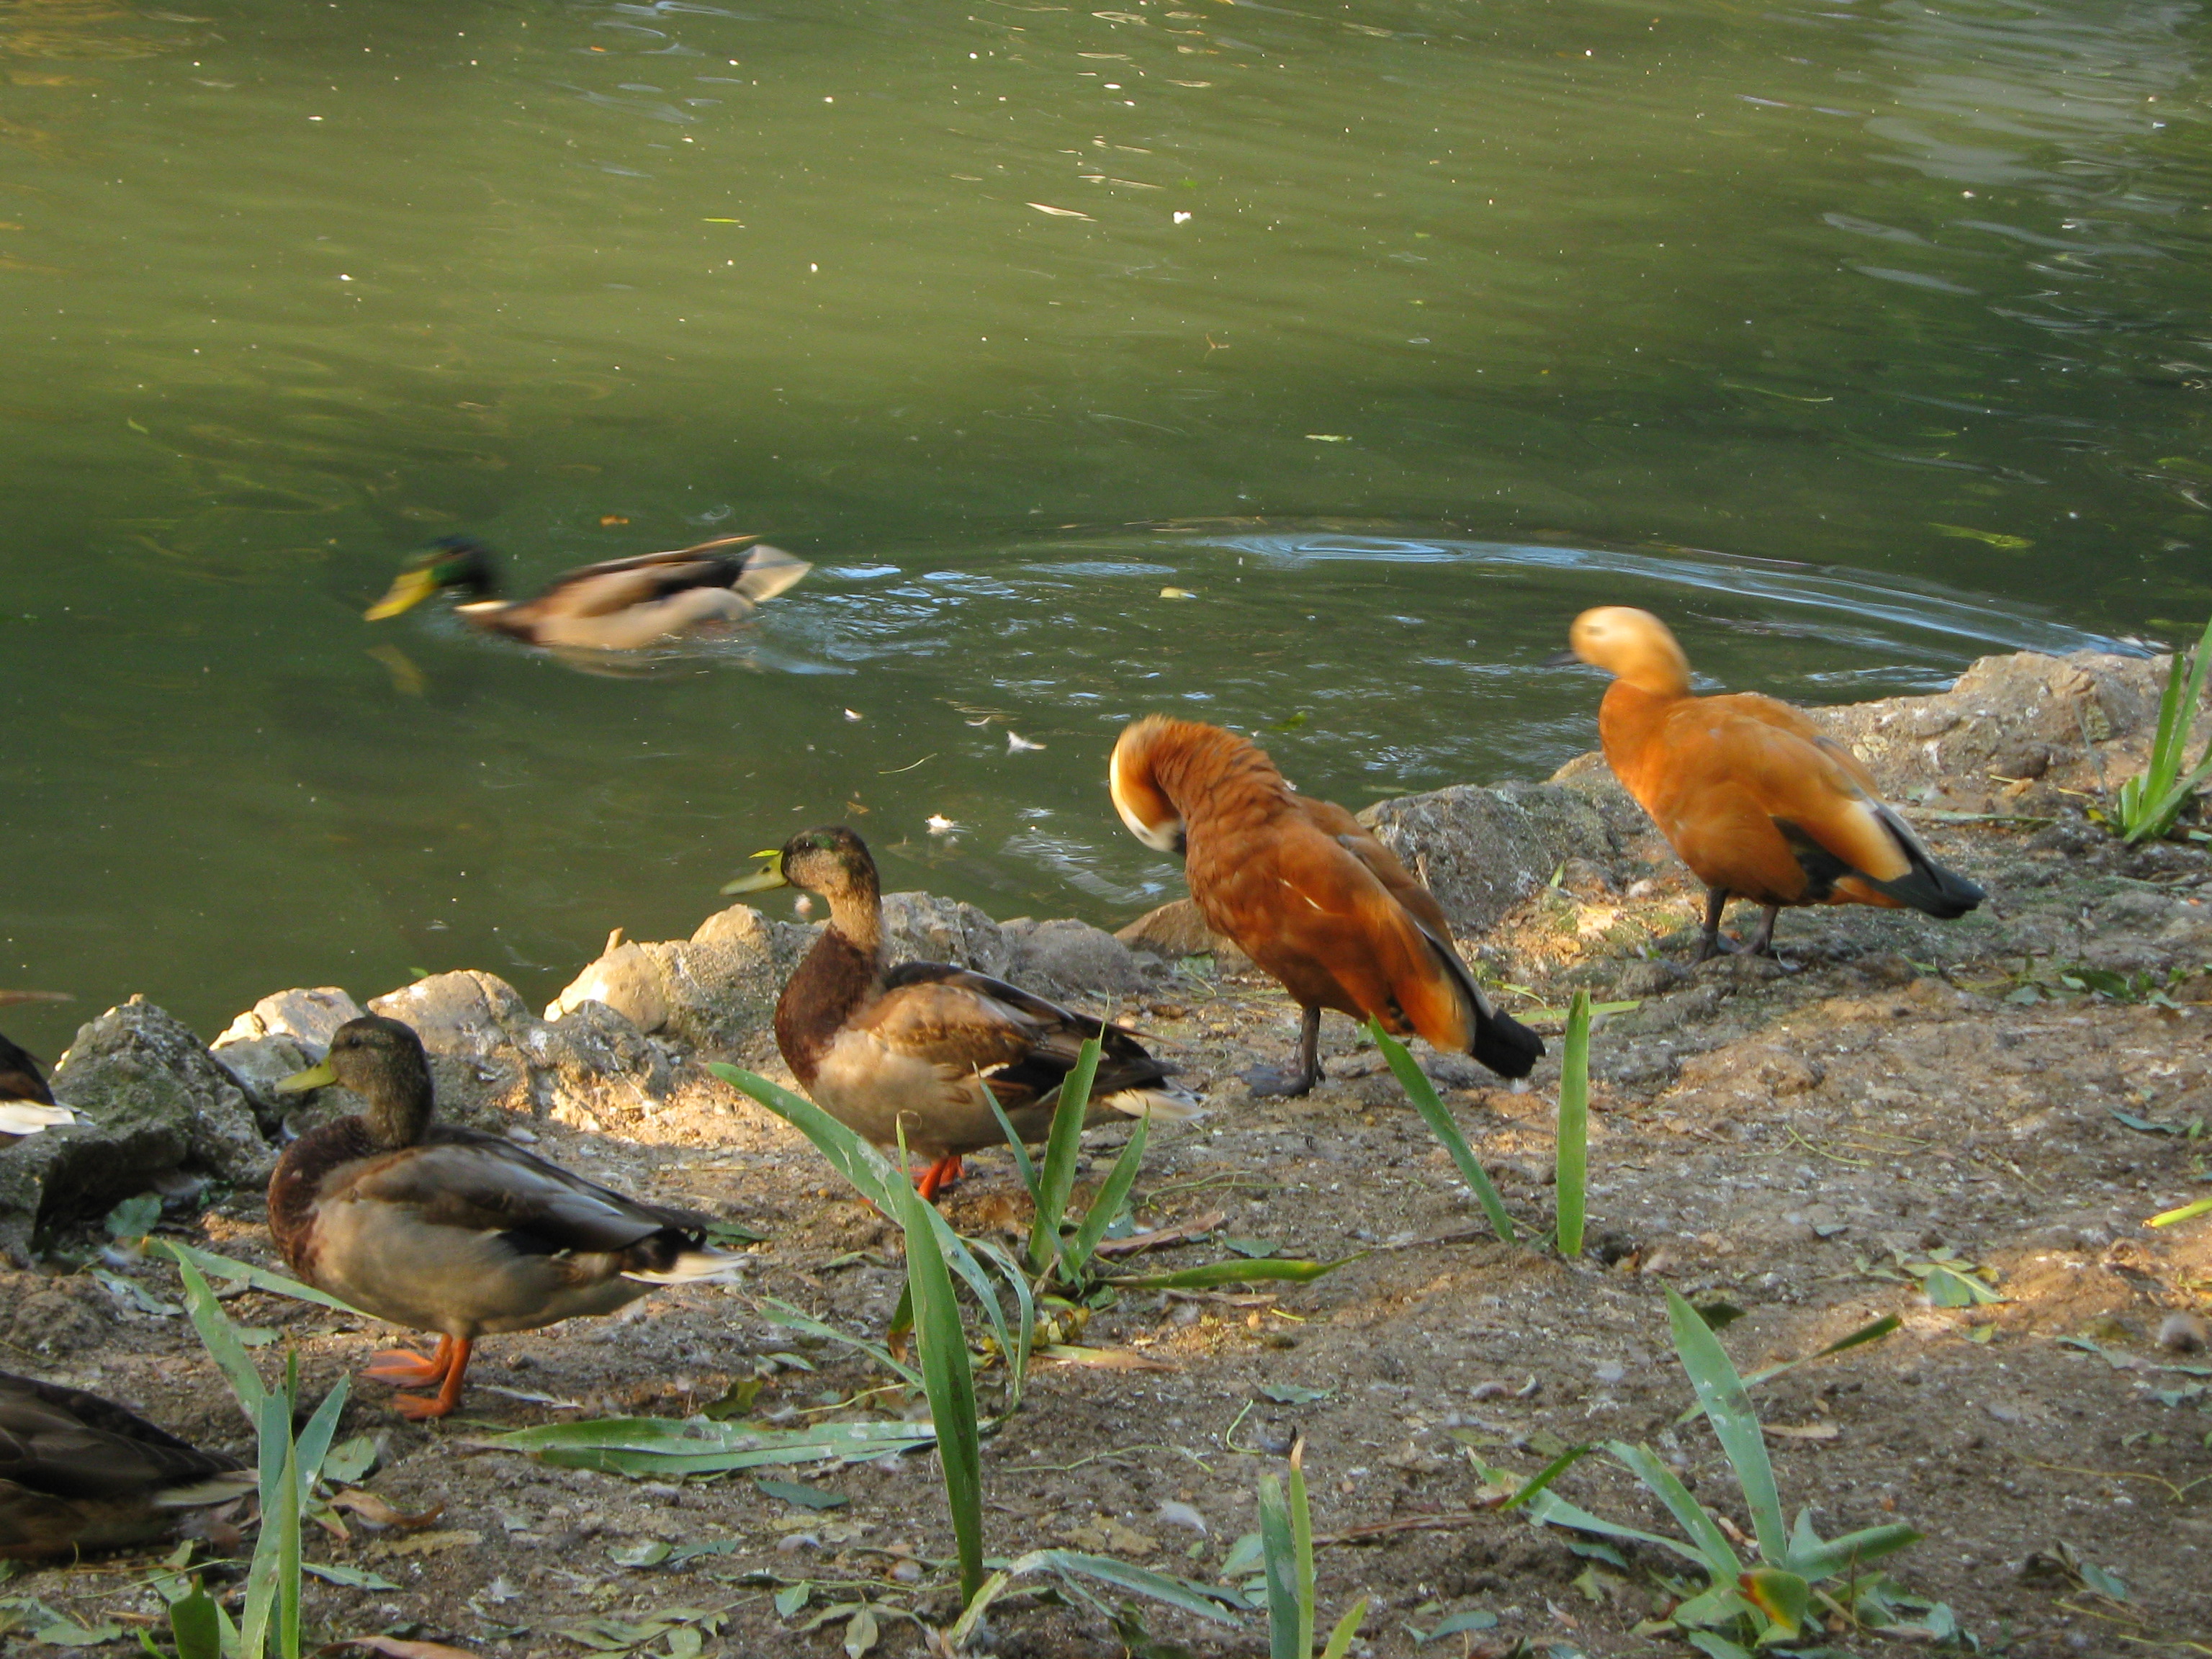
831,860
456,561
382,1061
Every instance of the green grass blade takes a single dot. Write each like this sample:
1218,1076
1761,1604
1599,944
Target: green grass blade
220,1338
1431,1106
221,1266
1253,1270
871,1172
2185,1213
1721,1392
314,1442
1852,1550
957,1636
792,1319
1543,1478
194,1624
1109,1200
1206,1600
1873,1331
1023,1330
1713,1545
1573,1155
1339,1639
1551,1509
1301,1542
948,1380
1024,1165
1278,1544
1065,1146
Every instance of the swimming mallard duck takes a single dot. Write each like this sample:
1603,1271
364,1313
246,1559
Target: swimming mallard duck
454,1231
27,1105
1759,802
917,1046
79,1473
619,605
1309,894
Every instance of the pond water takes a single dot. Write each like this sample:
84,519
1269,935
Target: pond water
1857,339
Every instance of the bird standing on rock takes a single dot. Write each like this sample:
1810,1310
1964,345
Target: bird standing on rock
451,1230
924,1048
621,604
79,1472
1309,894
1758,802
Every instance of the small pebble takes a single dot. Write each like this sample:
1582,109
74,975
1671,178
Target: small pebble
2184,1332
1181,1515
908,1572
792,1543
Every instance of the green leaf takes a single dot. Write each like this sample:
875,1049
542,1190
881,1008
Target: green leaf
1780,1595
1472,1619
1551,1509
66,1633
1544,1477
1815,1560
1431,1106
946,1378
333,1572
134,1217
1245,1556
1720,1391
794,1319
220,1338
790,1598
1572,1159
805,1497
1255,1249
650,1553
194,1627
1339,1639
1714,1550
1292,1394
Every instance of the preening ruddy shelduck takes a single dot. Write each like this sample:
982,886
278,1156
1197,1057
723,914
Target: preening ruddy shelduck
1309,894
924,1047
1758,802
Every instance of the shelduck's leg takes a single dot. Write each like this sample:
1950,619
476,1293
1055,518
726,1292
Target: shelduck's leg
1761,944
412,1371
1709,942
939,1175
415,1407
1266,1080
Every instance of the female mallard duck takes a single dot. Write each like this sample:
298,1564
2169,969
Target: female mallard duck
79,1472
619,605
924,1047
1309,894
1758,801
27,1105
454,1231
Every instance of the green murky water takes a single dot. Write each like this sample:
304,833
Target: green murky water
1857,338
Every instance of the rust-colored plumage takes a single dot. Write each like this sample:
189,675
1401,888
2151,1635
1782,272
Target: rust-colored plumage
1308,894
1758,802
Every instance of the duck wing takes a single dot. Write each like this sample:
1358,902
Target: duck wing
481,1183
67,1443
1025,1043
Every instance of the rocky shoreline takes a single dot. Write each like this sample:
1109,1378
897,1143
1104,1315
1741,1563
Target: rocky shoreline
1794,1135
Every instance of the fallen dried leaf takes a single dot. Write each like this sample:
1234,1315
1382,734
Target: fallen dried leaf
425,1543
396,1649
378,1513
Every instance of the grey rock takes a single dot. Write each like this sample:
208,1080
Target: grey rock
1176,930
470,1023
720,985
153,1101
923,927
627,979
1064,956
308,1017
593,1067
1482,850
261,1063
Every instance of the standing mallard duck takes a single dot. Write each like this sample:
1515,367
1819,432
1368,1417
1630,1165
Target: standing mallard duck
454,1231
27,1105
619,605
1758,801
79,1472
924,1047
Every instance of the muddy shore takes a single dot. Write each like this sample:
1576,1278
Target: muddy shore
2017,1092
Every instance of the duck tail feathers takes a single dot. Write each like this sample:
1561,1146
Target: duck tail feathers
1927,886
27,1117
1162,1102
769,571
704,1265
1505,1044
215,1489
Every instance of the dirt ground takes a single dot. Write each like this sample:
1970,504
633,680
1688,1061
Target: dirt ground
1783,1138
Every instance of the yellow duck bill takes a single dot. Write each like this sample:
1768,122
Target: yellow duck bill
409,589
315,1077
770,875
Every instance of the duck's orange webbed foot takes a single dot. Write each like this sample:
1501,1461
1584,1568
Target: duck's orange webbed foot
412,1371
416,1407
938,1175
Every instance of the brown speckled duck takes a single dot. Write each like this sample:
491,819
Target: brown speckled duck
78,1472
451,1230
918,1045
620,605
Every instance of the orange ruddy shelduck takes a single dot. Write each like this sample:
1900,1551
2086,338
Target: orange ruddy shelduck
1760,803
1309,894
